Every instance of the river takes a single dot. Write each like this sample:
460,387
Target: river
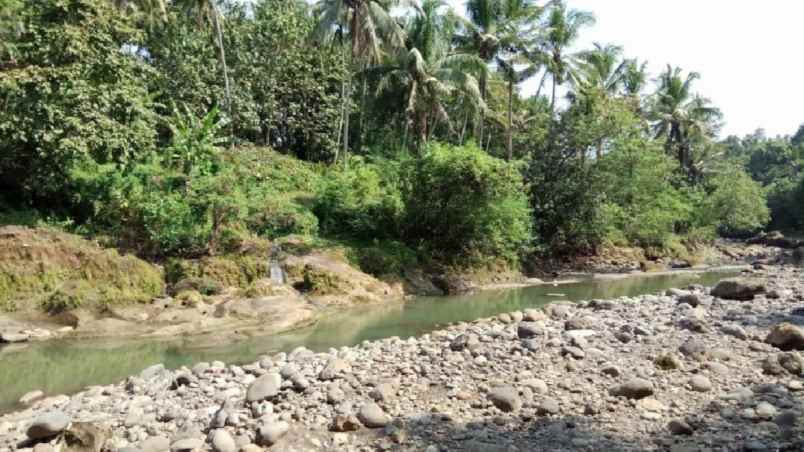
64,367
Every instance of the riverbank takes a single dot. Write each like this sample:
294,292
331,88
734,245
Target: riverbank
679,371
225,299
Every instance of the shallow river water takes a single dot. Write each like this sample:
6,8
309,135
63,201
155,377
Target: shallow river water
64,367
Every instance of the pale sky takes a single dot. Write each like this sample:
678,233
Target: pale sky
750,54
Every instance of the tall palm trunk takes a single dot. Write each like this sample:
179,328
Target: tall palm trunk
553,98
422,131
510,118
482,121
222,55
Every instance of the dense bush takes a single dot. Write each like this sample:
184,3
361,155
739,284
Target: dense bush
73,92
461,203
642,204
362,201
736,205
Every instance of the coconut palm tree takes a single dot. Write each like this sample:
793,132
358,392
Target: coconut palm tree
368,26
563,26
634,77
681,117
495,27
602,68
428,73
513,76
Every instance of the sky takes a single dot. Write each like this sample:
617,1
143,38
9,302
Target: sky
750,54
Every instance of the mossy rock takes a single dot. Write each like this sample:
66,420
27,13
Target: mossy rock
204,286
260,288
189,298
231,270
45,268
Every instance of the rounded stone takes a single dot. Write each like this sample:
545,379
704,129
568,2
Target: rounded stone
48,425
372,416
699,383
265,387
222,441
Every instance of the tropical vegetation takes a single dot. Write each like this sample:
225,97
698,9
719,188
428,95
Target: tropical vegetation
180,128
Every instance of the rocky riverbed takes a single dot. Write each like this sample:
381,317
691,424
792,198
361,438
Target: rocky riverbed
692,369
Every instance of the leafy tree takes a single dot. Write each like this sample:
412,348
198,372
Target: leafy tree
798,138
735,204
206,13
642,204
10,28
463,206
289,97
74,92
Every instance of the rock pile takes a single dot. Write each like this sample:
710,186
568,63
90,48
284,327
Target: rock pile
625,374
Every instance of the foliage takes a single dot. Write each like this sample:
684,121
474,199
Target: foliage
73,92
363,201
736,204
777,164
461,203
642,204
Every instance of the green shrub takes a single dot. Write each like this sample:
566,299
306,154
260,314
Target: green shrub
279,216
71,94
464,206
363,201
736,204
386,257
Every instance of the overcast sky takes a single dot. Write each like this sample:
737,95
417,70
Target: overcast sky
750,54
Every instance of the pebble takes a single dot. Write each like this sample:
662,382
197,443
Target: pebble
372,416
505,398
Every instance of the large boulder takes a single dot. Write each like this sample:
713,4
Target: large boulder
776,239
738,288
265,387
48,425
84,437
372,416
786,336
505,398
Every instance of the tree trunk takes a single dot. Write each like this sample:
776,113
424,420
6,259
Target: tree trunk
463,129
482,120
340,120
362,121
553,98
510,119
422,131
599,153
222,55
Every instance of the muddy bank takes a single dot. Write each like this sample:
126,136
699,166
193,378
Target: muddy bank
690,369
